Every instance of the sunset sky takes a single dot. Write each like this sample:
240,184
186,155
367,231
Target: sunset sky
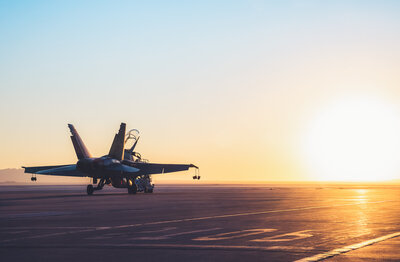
247,90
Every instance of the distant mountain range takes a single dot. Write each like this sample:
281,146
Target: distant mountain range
16,176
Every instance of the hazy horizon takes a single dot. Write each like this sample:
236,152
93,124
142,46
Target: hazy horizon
16,176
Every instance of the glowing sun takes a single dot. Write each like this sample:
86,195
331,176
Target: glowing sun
354,139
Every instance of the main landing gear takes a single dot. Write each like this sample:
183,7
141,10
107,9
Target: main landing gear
132,189
148,190
90,189
143,184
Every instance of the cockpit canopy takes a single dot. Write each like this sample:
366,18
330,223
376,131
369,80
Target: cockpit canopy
131,140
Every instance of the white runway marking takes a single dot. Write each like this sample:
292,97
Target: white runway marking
286,237
175,234
346,249
235,234
18,232
186,220
183,246
220,247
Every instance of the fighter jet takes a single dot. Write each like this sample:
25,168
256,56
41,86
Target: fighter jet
121,168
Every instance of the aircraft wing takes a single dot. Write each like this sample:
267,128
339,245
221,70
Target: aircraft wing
61,170
153,168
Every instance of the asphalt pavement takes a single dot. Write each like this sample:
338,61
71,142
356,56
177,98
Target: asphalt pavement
200,223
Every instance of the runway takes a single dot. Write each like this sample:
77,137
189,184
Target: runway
200,223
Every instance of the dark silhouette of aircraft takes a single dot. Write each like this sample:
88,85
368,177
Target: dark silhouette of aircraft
121,168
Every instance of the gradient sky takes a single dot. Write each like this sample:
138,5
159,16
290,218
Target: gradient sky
227,85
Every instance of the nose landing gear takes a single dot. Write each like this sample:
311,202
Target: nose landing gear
33,178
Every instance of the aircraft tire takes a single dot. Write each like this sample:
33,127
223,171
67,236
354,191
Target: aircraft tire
148,190
90,190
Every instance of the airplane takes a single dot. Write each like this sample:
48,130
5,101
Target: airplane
121,168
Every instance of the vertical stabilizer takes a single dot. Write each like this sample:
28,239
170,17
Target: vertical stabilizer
117,147
80,148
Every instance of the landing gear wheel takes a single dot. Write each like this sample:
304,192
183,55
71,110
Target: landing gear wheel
89,190
148,190
132,189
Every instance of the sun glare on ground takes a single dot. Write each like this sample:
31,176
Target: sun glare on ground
354,139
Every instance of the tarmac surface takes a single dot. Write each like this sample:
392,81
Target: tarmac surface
200,223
